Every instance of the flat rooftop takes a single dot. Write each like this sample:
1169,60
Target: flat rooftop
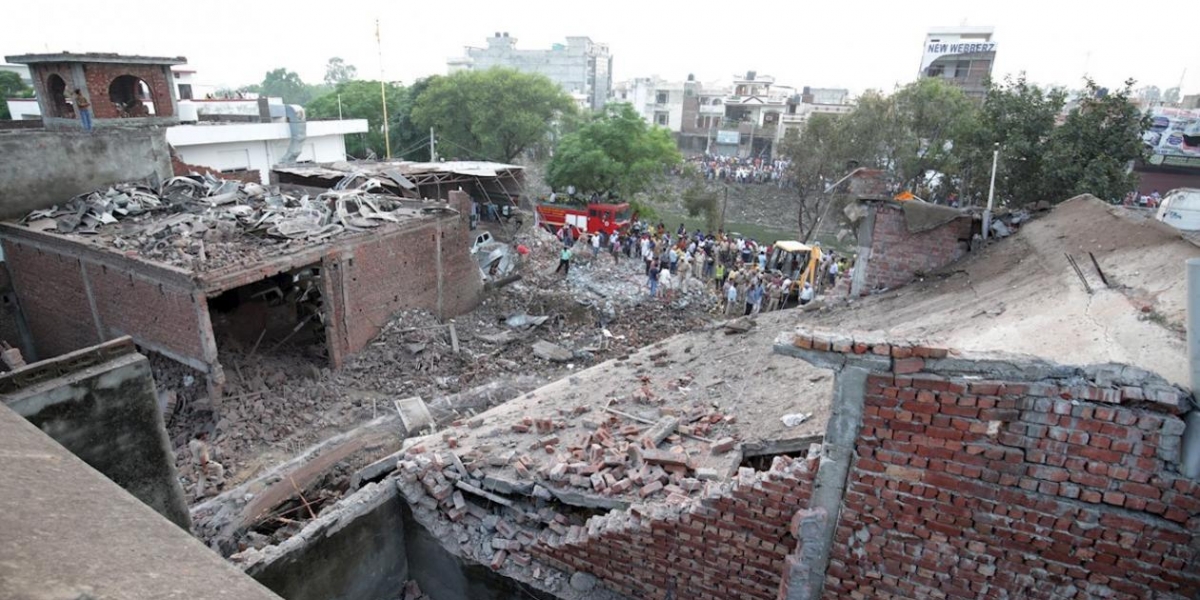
204,228
70,532
94,57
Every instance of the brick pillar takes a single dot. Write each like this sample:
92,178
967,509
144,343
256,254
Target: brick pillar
803,566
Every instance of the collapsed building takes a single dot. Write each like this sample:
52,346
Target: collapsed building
852,457
1010,426
183,267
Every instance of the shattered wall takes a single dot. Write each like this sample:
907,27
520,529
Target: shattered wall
354,553
43,168
730,543
891,254
101,404
1010,477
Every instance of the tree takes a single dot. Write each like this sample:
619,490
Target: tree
287,85
11,86
818,157
615,152
338,71
699,199
931,115
362,100
1091,152
491,115
1171,96
1020,117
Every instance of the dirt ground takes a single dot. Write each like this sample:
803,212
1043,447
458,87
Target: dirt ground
1020,295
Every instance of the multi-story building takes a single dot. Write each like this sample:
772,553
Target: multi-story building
582,67
962,56
748,118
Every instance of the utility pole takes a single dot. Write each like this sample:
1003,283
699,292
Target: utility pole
387,138
432,146
987,214
724,204
339,107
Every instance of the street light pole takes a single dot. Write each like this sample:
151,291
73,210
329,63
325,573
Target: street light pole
987,214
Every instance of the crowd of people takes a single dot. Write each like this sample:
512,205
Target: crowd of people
746,276
731,169
1150,200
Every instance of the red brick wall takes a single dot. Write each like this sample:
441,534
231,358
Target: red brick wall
50,289
730,544
897,255
100,75
53,296
378,278
150,312
40,74
981,489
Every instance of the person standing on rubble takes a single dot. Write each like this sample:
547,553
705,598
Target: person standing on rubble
564,261
84,108
652,269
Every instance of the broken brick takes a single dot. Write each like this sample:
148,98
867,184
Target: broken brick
723,445
650,488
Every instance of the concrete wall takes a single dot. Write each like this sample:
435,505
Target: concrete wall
357,553
104,409
43,168
70,532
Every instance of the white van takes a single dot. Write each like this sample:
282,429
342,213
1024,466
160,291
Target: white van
1180,208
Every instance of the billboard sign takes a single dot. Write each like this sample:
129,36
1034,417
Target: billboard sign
935,50
1173,139
729,137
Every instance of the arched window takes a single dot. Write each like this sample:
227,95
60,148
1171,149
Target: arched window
131,96
56,88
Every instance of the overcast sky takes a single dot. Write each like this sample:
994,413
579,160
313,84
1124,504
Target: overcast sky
859,45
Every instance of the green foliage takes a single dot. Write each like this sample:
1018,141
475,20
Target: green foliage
362,100
614,152
699,199
644,210
931,139
287,85
1092,150
932,116
490,115
1020,117
11,86
339,71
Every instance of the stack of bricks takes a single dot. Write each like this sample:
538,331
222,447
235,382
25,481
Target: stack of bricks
730,543
972,488
897,255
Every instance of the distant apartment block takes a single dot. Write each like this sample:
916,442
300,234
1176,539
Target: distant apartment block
746,118
962,56
582,67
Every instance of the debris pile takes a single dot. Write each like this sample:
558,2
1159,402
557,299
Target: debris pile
204,222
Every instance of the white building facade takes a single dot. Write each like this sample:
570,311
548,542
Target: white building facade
962,56
582,68
241,147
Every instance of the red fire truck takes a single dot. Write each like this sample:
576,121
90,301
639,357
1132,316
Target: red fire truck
584,218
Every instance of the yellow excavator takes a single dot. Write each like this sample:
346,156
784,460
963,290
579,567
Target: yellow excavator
798,262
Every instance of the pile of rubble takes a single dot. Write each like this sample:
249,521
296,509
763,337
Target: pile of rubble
204,222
